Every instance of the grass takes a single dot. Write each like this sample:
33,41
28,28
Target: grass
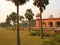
8,37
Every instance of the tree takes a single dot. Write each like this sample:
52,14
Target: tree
29,15
24,23
13,18
2,24
8,21
17,3
33,23
21,17
41,4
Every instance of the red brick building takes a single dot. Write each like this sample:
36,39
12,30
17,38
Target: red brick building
48,23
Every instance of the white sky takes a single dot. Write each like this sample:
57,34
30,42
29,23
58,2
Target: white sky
6,7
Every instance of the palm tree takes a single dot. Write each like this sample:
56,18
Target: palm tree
29,15
41,4
17,3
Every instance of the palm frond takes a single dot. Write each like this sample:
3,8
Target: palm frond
41,4
46,2
21,2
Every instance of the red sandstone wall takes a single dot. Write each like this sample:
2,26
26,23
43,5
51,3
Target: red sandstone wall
53,20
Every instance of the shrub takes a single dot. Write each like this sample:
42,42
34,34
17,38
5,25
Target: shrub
56,39
47,42
33,33
52,41
46,34
37,33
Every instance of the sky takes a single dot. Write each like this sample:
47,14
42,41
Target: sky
6,7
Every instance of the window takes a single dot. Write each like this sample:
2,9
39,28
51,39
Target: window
50,24
58,24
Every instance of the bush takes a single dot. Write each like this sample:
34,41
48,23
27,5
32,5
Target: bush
37,33
47,42
52,41
46,34
56,39
33,33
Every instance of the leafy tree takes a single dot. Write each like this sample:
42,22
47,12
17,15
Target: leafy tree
2,24
29,15
12,17
21,17
7,21
41,4
24,23
33,23
5,24
17,3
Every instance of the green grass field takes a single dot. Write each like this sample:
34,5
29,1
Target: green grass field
8,37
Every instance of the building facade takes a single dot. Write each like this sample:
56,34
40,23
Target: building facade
48,23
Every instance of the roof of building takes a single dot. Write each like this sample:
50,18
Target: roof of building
52,19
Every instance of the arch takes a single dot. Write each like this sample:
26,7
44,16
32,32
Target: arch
57,24
44,24
50,24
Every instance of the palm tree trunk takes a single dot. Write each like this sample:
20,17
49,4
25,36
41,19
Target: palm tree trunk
41,29
17,27
29,26
14,25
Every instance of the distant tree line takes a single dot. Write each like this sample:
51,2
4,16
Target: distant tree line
11,20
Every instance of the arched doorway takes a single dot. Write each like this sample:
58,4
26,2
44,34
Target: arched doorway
50,24
58,24
44,24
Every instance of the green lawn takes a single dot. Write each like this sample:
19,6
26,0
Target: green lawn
8,37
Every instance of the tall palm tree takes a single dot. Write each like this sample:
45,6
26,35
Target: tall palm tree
29,15
41,4
17,3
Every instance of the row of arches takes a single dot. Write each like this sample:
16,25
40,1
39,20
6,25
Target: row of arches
50,24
